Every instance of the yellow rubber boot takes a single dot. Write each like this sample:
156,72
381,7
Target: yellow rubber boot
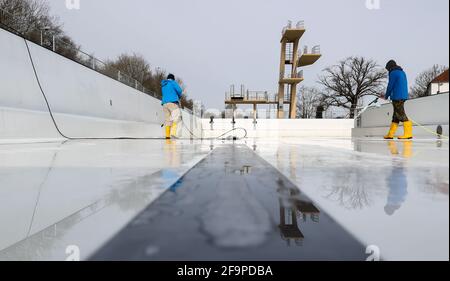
168,132
392,131
174,130
408,134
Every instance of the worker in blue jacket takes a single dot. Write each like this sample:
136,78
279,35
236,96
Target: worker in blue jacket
171,95
397,91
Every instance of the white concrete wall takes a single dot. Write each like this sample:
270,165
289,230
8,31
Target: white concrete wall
278,128
191,126
429,111
79,97
22,124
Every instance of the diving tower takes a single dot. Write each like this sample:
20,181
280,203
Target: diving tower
290,75
290,60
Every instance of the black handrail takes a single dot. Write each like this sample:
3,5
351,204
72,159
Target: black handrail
7,23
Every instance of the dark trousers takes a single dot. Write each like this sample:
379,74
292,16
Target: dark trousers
399,112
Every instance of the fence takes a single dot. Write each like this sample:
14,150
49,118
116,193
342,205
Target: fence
46,38
255,96
299,25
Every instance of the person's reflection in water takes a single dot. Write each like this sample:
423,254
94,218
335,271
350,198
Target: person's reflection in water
172,160
407,149
393,147
397,181
211,144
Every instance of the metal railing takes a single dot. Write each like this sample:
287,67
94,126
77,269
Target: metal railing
47,39
316,50
299,74
255,96
299,25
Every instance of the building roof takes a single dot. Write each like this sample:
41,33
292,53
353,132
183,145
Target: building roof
442,78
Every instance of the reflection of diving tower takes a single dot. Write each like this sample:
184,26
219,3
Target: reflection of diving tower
290,61
292,204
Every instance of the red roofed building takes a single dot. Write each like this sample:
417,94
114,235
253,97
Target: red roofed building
440,84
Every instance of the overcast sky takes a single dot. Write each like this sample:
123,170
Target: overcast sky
214,43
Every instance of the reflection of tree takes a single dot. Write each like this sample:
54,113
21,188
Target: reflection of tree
350,191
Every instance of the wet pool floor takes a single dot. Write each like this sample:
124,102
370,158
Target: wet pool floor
233,205
391,195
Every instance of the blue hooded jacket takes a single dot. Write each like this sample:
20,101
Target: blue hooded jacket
398,85
171,91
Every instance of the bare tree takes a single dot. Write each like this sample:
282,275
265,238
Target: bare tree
133,65
32,19
185,101
420,88
309,99
155,82
28,16
137,67
350,80
67,47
